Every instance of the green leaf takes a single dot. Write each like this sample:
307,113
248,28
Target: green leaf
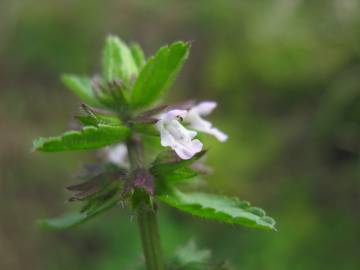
100,192
146,129
81,86
114,96
118,61
90,137
219,208
93,118
138,55
87,120
179,175
168,162
158,74
72,219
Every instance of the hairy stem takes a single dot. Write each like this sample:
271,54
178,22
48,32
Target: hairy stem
146,214
150,239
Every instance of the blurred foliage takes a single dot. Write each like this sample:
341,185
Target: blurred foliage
286,76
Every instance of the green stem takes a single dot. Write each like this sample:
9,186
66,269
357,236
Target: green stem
146,215
150,239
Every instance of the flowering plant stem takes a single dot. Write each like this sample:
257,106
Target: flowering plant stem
150,239
146,216
118,114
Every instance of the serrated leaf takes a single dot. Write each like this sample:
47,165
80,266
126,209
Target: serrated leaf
219,208
72,219
118,61
138,55
81,86
158,74
90,137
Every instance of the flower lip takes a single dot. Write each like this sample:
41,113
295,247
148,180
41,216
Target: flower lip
181,138
204,108
176,136
196,122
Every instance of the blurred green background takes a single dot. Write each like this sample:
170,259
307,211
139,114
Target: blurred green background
286,75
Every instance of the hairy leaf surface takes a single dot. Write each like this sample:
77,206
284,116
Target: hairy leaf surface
219,208
158,74
90,137
81,86
138,55
118,61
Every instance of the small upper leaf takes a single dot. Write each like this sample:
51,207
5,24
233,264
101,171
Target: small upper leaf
138,55
94,118
90,137
100,119
81,86
219,208
158,74
118,61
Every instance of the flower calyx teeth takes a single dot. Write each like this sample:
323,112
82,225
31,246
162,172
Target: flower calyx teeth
140,178
99,184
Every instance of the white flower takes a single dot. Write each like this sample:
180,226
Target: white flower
193,118
175,135
181,139
117,154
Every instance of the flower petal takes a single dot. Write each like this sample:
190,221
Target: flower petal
204,108
193,118
218,134
173,114
187,151
175,135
